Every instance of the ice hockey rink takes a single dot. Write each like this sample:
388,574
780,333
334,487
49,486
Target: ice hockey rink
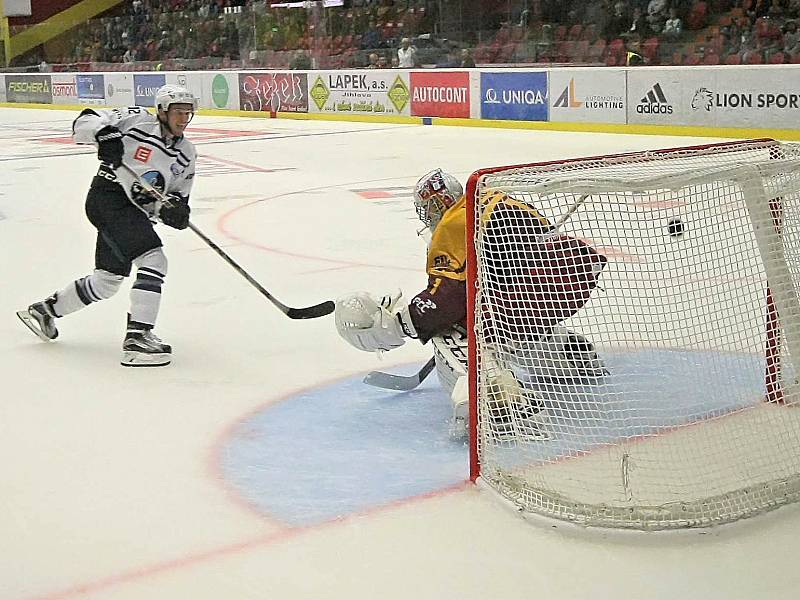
258,465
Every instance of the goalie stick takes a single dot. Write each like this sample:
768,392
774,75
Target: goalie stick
310,312
388,381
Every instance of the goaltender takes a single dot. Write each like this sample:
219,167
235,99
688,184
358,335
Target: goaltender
546,266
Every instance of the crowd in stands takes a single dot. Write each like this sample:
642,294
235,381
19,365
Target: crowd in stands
181,34
156,31
687,32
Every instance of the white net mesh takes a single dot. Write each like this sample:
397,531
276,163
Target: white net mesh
635,371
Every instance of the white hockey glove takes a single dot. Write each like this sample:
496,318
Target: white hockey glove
373,325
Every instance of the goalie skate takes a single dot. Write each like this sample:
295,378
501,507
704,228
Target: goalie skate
40,321
511,414
145,349
517,422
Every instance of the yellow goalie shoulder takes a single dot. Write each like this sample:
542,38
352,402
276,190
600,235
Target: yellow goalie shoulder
447,255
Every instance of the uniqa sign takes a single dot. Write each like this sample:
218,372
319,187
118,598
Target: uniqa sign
519,96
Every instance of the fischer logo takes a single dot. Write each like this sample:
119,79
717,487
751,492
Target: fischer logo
654,102
34,87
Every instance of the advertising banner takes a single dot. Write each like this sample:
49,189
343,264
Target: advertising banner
220,90
119,89
654,96
757,97
438,94
65,90
144,88
29,88
361,92
587,95
191,81
2,88
278,92
91,88
515,95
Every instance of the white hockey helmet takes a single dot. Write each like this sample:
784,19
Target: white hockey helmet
170,94
434,193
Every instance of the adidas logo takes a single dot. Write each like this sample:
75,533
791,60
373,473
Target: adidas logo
654,102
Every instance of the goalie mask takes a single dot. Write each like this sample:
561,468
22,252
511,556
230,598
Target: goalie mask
434,194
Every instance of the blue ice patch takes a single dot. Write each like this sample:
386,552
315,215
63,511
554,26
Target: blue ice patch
349,447
345,448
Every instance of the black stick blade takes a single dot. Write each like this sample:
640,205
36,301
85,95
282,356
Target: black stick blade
312,312
403,383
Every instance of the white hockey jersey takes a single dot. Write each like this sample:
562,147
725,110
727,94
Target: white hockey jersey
166,162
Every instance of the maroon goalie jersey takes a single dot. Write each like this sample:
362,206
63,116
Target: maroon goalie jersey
534,278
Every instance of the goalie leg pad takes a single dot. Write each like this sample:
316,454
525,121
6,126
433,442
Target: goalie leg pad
511,414
450,351
460,399
561,354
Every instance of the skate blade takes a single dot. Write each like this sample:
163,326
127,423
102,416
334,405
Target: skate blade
33,325
139,359
534,435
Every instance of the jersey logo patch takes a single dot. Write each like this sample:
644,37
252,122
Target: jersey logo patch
142,154
423,305
441,262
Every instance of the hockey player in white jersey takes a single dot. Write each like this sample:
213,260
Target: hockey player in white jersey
153,147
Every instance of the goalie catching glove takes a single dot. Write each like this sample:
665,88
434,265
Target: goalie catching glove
373,325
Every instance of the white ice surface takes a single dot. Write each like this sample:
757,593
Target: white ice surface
111,485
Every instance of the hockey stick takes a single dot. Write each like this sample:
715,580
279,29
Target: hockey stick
388,381
310,312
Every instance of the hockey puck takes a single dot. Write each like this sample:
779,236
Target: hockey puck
675,227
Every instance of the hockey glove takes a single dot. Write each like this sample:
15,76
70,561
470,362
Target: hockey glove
175,212
109,145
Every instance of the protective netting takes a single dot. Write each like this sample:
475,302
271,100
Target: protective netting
635,319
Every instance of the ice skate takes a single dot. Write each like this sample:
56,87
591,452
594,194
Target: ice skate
531,422
40,319
142,348
512,415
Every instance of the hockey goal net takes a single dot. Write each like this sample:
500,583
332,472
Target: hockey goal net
663,393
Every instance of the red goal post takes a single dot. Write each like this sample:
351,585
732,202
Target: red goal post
673,303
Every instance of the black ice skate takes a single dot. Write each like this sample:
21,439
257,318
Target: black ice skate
142,348
40,318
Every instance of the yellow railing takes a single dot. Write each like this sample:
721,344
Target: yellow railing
35,35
